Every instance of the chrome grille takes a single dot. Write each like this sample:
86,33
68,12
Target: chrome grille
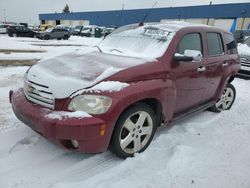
245,60
38,94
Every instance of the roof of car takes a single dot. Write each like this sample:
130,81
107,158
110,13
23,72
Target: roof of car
175,25
171,26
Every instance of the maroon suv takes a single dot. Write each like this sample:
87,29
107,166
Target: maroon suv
138,78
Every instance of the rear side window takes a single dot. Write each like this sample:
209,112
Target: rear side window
191,41
215,45
230,43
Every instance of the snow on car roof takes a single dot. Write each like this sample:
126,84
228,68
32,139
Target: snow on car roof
177,25
171,26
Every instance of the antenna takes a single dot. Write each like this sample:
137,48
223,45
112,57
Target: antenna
146,15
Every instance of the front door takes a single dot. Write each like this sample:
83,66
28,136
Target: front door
189,76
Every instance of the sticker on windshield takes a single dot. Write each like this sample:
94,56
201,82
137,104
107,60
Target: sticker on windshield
156,33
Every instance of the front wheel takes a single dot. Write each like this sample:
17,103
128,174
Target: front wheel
226,101
134,130
65,37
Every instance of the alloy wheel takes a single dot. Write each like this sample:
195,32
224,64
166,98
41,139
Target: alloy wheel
136,132
226,99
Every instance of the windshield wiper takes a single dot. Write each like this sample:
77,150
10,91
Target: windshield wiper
116,50
98,48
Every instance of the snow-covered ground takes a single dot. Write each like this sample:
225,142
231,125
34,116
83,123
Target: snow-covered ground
44,48
204,151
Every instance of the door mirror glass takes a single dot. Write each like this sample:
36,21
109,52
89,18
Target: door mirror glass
195,54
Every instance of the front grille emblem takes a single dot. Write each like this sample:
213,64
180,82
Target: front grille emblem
30,89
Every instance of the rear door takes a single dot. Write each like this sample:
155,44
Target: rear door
189,76
25,32
54,33
217,62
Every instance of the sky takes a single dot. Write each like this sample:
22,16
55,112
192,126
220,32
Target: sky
28,10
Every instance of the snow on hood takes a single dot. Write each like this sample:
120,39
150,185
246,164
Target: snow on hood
105,86
65,74
244,49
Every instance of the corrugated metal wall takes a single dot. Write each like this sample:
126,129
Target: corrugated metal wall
123,17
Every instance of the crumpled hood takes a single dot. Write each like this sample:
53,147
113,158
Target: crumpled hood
65,74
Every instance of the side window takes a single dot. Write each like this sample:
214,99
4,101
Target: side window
215,45
230,43
191,41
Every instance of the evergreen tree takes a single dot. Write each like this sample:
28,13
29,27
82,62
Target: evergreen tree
66,9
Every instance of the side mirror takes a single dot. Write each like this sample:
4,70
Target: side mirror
180,57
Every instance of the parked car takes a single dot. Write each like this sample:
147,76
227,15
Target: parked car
3,28
107,31
69,28
244,51
54,33
241,35
77,30
88,31
20,31
44,27
118,93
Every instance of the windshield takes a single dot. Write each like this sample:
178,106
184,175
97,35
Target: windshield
86,28
247,41
145,41
49,30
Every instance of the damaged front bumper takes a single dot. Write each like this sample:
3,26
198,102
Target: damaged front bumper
91,133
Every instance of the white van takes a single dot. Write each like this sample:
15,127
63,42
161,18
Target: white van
88,31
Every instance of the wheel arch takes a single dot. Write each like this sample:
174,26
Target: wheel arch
230,80
153,103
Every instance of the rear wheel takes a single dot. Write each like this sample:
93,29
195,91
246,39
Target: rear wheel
134,130
226,101
46,37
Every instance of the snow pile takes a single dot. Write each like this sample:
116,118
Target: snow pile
63,115
105,86
110,86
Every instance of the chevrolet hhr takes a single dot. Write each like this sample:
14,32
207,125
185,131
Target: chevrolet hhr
116,94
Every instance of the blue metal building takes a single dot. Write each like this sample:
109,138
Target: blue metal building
123,17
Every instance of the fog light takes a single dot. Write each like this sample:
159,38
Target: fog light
75,143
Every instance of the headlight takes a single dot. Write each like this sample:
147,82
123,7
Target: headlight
92,104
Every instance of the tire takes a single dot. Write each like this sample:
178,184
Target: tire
65,37
46,37
14,35
131,136
226,101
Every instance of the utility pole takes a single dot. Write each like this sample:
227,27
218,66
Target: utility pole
4,14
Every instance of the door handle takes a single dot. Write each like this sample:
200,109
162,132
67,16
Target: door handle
201,69
224,64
